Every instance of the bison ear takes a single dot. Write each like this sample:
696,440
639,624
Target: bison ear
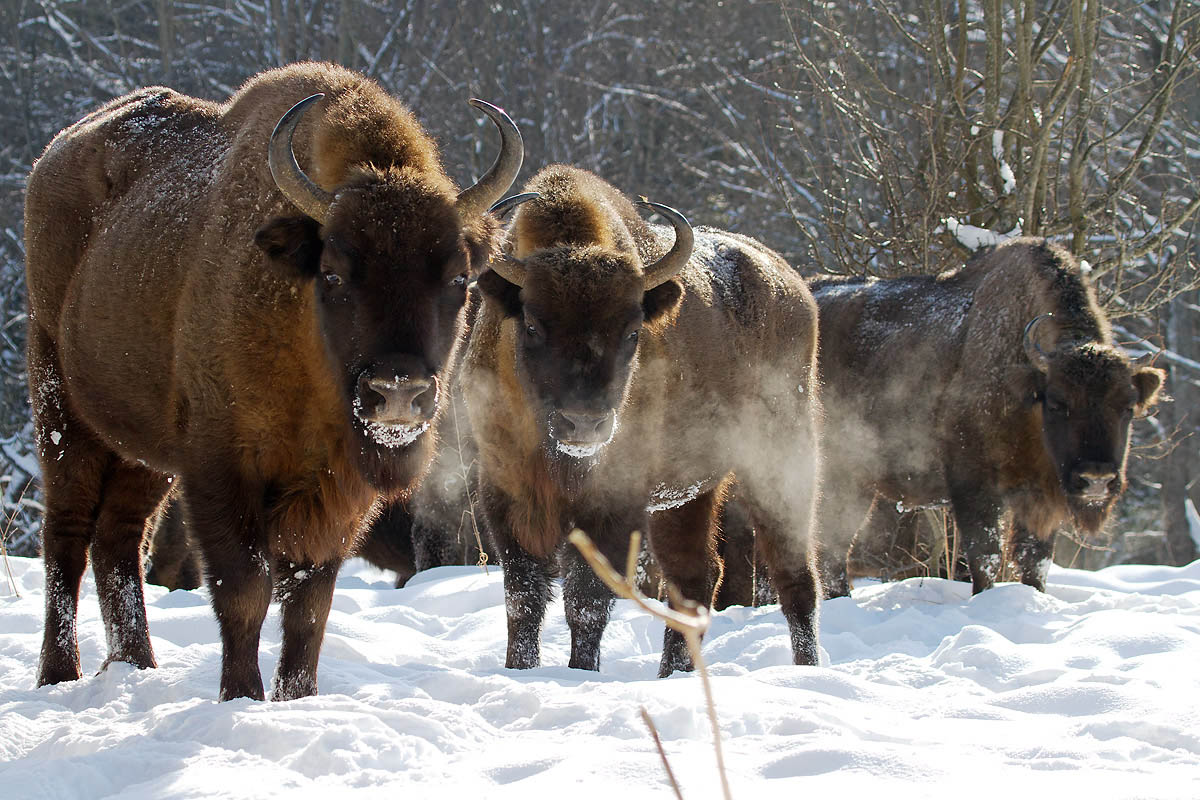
508,295
481,239
660,304
293,245
1147,381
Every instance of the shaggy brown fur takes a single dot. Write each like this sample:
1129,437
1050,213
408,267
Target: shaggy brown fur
172,558
177,329
708,373
931,398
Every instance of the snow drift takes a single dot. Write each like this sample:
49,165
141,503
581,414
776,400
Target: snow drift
924,691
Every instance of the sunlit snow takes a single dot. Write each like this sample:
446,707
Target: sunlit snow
1089,690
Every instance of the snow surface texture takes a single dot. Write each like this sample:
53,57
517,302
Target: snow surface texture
1088,691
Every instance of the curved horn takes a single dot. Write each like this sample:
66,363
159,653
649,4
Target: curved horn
500,209
670,264
297,187
495,182
1037,356
511,269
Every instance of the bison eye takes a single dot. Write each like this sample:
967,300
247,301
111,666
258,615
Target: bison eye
633,335
332,279
459,280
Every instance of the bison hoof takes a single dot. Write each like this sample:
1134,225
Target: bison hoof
139,660
982,584
675,662
585,662
294,688
50,674
231,690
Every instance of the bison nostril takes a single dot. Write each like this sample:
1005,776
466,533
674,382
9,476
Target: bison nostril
397,401
585,427
1096,483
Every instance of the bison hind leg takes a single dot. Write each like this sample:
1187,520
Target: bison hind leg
73,463
130,496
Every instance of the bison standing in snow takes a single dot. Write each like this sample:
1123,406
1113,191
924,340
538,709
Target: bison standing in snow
186,321
616,375
994,388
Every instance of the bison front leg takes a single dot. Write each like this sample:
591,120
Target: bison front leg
586,599
977,513
305,593
526,580
684,542
227,525
1032,555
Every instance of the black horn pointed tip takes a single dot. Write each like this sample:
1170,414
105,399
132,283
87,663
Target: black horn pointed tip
662,209
497,114
297,110
502,207
484,105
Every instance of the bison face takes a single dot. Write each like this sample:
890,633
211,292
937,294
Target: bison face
1089,395
579,314
388,272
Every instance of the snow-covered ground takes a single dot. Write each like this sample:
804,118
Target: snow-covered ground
1091,690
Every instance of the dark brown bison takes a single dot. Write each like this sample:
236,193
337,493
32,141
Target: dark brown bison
186,321
994,388
615,377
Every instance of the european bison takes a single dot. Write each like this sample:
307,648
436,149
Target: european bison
186,321
615,376
995,388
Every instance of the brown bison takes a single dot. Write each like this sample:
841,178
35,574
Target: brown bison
614,382
994,388
186,321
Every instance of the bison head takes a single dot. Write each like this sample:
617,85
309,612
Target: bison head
579,312
1088,394
387,254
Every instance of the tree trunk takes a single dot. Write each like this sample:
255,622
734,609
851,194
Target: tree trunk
166,35
1179,465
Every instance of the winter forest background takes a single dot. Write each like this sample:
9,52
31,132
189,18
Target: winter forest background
862,137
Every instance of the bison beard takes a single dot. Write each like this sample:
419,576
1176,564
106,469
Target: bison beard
185,321
702,359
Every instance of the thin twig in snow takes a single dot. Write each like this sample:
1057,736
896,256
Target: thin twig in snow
689,618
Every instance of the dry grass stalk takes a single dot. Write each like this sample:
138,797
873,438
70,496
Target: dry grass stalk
661,753
689,618
9,521
464,472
